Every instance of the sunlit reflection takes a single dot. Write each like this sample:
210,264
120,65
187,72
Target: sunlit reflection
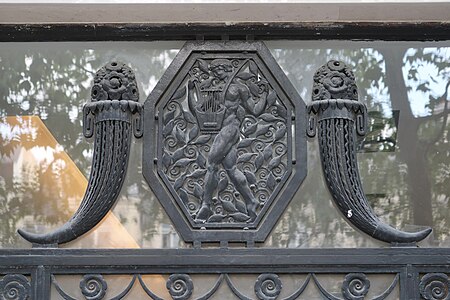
42,187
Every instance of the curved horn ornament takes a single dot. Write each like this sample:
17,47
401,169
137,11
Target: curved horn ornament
338,118
112,117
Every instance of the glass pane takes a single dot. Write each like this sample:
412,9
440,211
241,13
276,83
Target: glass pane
45,160
404,161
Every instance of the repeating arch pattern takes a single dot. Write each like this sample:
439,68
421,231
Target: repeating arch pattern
267,286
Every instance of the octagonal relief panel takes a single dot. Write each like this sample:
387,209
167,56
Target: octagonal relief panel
224,148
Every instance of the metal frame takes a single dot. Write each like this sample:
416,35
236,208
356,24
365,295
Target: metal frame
152,150
388,31
409,263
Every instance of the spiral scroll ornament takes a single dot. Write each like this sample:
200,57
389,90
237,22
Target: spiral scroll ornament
268,286
435,286
14,287
204,136
180,286
112,116
93,287
339,118
355,286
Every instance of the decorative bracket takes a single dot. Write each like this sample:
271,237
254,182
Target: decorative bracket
112,116
340,118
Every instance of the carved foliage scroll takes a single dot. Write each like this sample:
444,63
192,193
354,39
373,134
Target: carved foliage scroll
224,147
225,141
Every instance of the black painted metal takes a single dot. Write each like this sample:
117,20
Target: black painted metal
15,284
340,118
406,263
112,116
435,286
392,31
417,272
220,131
40,279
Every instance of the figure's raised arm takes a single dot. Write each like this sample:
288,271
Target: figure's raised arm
256,107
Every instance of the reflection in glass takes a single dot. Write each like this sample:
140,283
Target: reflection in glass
403,182
404,161
52,81
45,180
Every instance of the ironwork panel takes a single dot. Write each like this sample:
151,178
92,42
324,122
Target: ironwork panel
224,141
415,271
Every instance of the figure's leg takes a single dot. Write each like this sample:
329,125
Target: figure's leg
210,185
211,182
220,147
240,183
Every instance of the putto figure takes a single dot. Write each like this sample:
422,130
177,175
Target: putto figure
232,98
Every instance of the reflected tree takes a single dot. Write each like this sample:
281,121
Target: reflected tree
53,81
415,191
420,137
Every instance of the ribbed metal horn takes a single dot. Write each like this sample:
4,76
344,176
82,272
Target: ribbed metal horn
338,117
111,117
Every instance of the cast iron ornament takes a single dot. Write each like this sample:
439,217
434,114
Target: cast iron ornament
355,286
268,286
180,286
219,153
340,118
93,287
112,117
15,286
435,286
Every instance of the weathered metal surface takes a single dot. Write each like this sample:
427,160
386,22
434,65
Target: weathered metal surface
230,103
112,117
341,118
391,31
409,266
219,144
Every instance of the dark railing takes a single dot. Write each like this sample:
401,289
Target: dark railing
336,116
418,272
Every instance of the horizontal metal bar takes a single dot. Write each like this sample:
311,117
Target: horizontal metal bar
399,31
226,260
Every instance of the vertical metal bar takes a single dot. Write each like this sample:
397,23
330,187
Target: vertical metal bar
409,280
41,283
